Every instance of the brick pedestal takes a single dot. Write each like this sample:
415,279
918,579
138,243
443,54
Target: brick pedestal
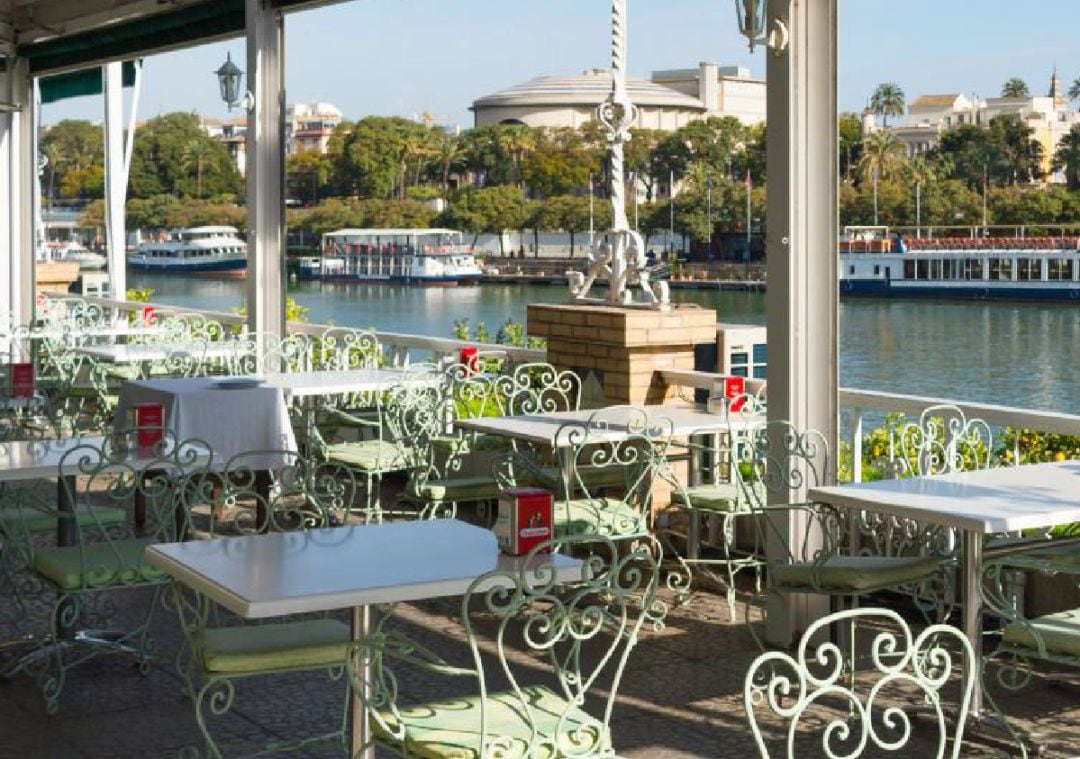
624,348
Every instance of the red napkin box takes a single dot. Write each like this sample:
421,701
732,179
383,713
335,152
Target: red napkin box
22,380
525,520
150,424
149,318
734,391
469,357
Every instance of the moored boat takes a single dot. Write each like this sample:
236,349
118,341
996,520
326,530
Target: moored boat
71,252
196,249
875,262
408,256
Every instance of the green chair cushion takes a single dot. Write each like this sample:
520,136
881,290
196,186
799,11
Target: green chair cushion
460,489
1060,633
115,562
597,516
367,455
280,645
722,496
854,573
39,520
451,729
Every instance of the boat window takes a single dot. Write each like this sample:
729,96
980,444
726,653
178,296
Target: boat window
877,270
851,270
1000,268
909,270
1028,269
973,268
922,269
1060,269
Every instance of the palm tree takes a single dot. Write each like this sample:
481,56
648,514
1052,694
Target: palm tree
198,154
882,155
1074,89
55,157
450,153
1067,157
1015,88
517,141
888,100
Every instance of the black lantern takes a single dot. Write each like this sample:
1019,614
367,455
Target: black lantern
229,78
751,15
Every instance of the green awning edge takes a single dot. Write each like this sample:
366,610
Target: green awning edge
142,36
80,83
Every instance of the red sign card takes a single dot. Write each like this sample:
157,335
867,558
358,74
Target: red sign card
22,380
149,318
525,520
150,421
470,358
734,390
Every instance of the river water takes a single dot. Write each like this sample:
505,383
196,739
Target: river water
1015,354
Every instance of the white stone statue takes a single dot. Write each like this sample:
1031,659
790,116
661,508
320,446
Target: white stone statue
619,253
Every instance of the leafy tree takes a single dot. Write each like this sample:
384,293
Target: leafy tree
307,175
74,148
888,100
1015,87
851,140
559,163
570,213
488,209
1019,154
450,154
517,141
158,165
1067,158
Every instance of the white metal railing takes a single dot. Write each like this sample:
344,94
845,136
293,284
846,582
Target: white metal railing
397,344
857,403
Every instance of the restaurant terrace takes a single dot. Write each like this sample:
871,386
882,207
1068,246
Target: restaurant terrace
222,534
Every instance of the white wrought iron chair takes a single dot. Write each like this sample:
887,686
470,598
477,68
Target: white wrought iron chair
816,703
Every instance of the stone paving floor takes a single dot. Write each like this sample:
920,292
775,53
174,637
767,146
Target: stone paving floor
681,696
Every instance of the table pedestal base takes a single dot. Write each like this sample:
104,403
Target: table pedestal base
360,745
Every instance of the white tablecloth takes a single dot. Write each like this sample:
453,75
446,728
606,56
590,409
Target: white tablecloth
230,420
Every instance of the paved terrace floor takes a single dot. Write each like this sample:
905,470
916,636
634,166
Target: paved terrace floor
681,697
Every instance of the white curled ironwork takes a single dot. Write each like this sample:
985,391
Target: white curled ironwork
807,687
619,254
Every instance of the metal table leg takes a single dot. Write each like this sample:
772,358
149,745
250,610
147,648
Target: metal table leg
360,746
971,562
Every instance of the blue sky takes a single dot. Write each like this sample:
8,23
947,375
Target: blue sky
405,56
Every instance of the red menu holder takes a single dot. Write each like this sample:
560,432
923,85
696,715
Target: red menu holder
150,424
469,357
22,380
735,391
149,317
526,519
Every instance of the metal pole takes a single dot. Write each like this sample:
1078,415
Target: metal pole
115,179
671,211
749,217
875,198
265,169
918,209
592,214
708,196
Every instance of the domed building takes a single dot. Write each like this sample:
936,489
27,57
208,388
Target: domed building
571,101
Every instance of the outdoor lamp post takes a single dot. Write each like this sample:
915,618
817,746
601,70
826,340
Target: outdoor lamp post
230,78
753,25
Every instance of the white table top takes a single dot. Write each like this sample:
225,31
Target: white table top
544,428
40,459
986,501
231,420
304,384
104,330
259,576
127,354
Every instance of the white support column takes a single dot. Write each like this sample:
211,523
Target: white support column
802,298
18,194
115,179
266,169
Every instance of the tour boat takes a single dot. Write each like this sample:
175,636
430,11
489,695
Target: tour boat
874,262
196,249
410,256
71,252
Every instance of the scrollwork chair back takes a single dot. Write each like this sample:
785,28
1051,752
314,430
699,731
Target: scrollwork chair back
814,699
944,440
560,647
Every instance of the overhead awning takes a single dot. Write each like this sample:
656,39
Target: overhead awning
79,83
184,26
